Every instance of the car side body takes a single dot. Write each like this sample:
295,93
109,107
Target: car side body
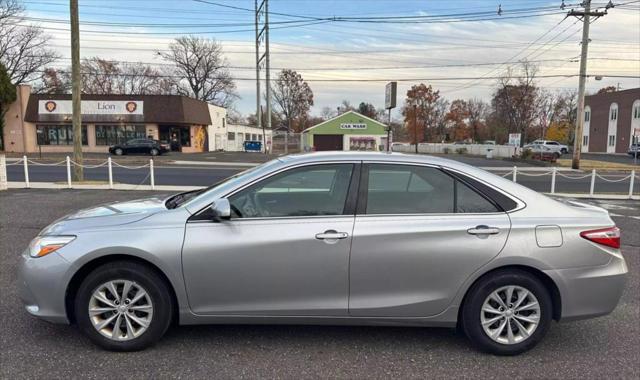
388,269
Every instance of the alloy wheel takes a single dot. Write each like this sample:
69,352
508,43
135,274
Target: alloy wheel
120,310
510,314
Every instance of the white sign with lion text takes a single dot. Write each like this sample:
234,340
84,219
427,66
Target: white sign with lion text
92,107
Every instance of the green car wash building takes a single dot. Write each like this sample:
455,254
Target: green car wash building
349,131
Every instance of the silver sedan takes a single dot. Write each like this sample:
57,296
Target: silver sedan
331,238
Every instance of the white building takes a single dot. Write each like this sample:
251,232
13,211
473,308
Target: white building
231,137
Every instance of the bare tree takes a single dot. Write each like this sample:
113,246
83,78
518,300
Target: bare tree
477,111
201,70
294,98
22,48
515,100
53,81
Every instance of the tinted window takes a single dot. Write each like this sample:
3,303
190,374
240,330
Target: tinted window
307,191
470,201
404,189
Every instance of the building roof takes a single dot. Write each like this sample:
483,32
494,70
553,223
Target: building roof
343,115
160,109
608,97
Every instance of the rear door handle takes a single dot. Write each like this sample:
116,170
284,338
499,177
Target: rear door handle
331,235
483,230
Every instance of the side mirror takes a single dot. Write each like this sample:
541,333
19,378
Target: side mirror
221,209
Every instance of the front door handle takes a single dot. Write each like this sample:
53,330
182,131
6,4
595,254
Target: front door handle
331,235
483,230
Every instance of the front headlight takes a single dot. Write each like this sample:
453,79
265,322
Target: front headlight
44,245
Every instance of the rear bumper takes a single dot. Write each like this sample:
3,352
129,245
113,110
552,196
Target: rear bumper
590,291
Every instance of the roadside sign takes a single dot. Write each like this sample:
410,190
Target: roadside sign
514,139
390,92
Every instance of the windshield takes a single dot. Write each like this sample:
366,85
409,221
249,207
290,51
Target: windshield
182,198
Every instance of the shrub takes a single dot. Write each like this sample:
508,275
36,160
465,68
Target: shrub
461,150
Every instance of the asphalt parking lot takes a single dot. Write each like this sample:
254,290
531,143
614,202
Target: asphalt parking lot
606,347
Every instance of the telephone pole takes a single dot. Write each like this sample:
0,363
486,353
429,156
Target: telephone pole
75,92
262,34
585,16
258,107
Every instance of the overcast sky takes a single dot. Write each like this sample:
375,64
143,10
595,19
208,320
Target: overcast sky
371,50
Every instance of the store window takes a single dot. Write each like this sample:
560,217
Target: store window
247,137
118,134
58,134
231,136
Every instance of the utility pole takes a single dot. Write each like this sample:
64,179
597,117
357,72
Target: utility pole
415,126
78,174
586,16
258,107
262,34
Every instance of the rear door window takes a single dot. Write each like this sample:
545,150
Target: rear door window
409,189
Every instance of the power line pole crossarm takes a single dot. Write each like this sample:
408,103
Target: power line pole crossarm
75,92
586,21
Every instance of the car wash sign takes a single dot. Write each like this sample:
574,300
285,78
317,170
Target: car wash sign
353,126
92,107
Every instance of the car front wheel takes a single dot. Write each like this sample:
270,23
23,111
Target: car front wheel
118,151
507,312
123,306
154,152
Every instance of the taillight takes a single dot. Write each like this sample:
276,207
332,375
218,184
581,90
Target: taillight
605,236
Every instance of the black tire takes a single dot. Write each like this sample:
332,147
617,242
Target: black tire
154,152
155,286
474,300
118,152
564,151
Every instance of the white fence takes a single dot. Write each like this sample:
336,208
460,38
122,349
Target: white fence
554,173
505,151
512,173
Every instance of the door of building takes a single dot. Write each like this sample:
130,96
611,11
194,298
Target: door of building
327,142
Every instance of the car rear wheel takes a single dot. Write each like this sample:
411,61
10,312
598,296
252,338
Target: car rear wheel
118,151
154,152
123,306
507,312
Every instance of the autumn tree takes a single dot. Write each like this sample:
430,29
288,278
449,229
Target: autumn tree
477,111
200,70
367,109
23,49
457,120
294,98
7,96
419,111
515,100
607,89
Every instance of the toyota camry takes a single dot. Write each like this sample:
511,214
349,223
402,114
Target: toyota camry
331,238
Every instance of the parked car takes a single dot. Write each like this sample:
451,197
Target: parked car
356,238
543,153
139,146
634,150
553,145
489,142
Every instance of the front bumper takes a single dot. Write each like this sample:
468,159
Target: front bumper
41,287
589,292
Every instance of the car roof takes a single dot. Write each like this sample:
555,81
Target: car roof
368,156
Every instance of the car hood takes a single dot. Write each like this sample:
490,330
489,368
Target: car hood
106,215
